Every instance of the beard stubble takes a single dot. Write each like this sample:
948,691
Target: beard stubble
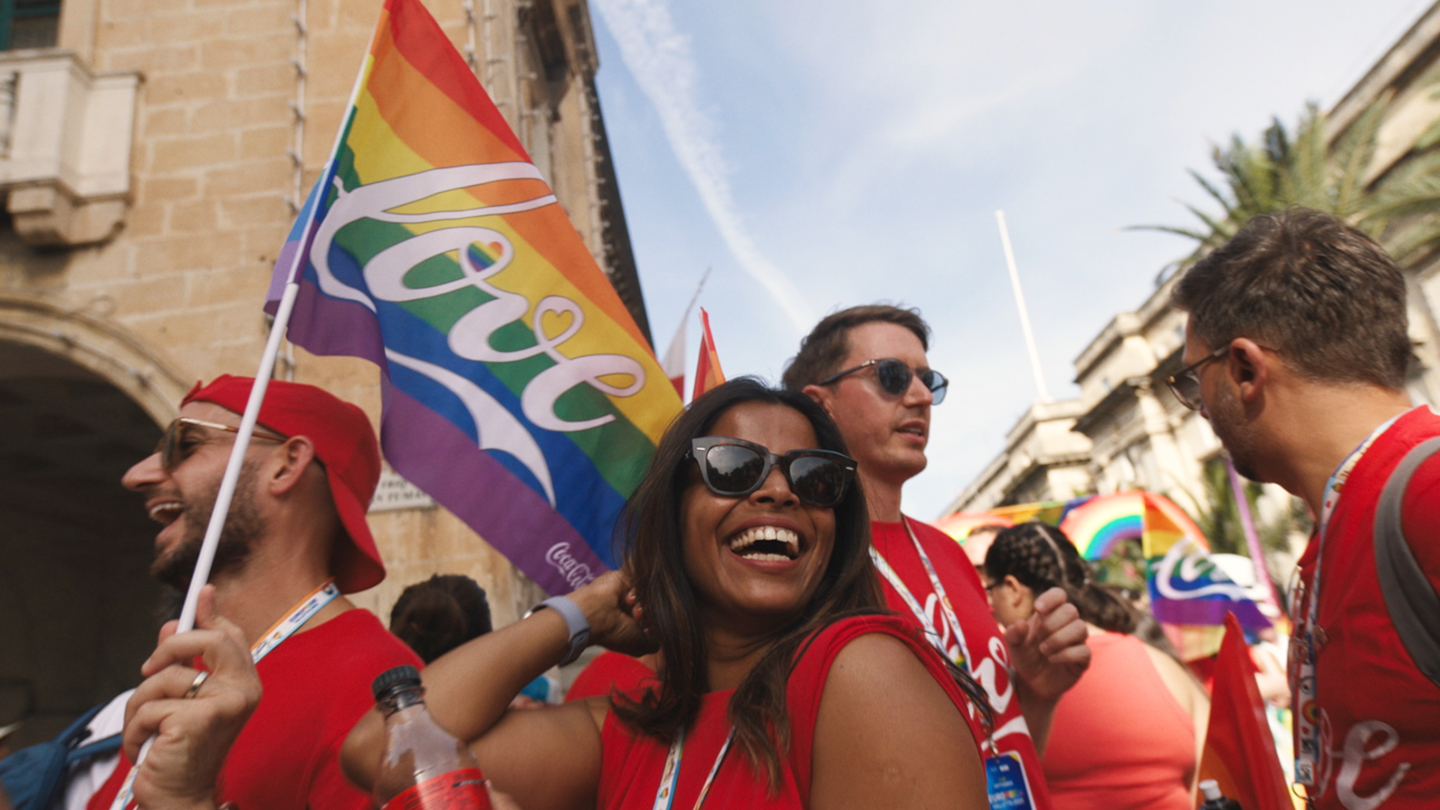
243,528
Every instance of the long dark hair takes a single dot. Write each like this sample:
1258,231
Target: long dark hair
1041,557
649,533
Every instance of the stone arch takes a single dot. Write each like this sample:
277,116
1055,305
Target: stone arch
80,401
99,346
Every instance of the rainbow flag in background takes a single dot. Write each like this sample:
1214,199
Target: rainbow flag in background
1186,587
517,390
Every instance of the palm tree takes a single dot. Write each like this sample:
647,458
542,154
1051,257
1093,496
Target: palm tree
1397,208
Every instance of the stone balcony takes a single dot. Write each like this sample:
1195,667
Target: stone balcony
65,138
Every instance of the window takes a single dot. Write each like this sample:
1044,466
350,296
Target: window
29,24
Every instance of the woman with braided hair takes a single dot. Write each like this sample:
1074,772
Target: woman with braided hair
1129,733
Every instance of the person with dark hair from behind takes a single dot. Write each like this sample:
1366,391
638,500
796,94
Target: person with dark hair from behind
1296,350
783,684
1128,735
436,616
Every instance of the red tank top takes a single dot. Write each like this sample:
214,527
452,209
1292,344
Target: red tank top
632,762
1119,739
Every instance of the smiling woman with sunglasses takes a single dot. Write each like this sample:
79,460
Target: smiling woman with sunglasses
782,683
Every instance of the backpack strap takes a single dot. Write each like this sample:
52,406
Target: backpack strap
101,747
1413,604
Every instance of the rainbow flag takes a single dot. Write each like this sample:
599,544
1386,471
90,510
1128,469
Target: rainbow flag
1186,587
516,389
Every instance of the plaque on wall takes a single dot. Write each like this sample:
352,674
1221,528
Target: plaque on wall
394,492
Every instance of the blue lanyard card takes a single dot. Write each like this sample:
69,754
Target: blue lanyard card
1005,782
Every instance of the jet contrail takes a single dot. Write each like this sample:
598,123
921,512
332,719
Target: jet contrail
659,59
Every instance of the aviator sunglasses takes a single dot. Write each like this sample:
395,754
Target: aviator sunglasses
894,376
174,446
734,468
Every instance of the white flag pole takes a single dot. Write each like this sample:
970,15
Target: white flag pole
1020,303
696,297
675,355
267,367
237,455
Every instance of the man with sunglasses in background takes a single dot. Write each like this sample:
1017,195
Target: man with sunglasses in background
1296,349
294,541
867,367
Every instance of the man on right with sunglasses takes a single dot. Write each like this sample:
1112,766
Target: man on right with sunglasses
867,367
1296,350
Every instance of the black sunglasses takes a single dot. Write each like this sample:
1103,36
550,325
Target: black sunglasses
175,445
734,468
1185,383
894,376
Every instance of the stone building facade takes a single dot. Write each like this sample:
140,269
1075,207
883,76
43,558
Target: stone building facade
152,154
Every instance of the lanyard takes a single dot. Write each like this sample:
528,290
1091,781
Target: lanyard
960,653
1307,718
665,795
302,611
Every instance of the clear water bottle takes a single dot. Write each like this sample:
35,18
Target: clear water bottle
1214,799
421,767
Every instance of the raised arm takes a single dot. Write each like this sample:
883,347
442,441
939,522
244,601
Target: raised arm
545,758
887,735
1048,654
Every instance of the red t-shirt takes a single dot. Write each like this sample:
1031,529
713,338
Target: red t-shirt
1120,740
1380,717
989,660
317,686
609,670
632,762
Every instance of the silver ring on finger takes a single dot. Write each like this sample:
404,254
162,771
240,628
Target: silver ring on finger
200,678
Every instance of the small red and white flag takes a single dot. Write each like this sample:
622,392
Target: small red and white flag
674,360
707,369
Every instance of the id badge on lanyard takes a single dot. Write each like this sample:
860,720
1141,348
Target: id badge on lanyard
301,612
1006,784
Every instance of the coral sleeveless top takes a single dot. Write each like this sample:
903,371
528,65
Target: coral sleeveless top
630,772
1119,739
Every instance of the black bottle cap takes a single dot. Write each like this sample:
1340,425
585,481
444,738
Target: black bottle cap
391,678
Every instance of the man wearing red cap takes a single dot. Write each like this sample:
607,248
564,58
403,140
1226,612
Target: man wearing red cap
294,541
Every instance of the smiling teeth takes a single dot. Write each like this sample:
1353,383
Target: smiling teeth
745,539
162,512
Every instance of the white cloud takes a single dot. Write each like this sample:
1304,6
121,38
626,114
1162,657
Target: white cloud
660,61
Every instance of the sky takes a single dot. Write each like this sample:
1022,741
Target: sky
818,154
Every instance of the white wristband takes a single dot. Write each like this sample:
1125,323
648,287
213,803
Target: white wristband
575,622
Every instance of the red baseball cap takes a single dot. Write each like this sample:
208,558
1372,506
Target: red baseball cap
345,444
